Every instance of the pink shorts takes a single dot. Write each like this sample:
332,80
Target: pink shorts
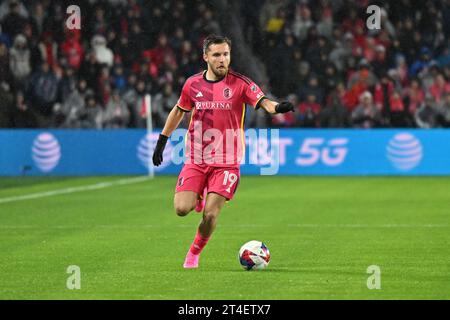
220,180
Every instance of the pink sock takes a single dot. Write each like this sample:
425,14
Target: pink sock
198,244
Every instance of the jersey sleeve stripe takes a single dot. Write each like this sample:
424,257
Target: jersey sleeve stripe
183,109
257,106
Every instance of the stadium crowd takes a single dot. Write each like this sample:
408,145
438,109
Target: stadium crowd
318,54
321,55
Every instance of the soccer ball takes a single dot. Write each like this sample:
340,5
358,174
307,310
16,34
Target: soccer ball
254,255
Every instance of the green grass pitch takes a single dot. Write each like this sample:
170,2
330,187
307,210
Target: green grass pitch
323,233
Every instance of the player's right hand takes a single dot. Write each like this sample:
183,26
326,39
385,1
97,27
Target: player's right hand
159,149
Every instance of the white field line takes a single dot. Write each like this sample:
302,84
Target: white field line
97,186
308,226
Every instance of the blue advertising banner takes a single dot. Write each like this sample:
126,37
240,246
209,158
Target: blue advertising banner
282,152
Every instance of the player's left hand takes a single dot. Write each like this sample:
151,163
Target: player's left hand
284,107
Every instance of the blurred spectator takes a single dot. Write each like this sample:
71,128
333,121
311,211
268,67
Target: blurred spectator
268,18
48,49
379,64
103,86
422,62
309,112
134,44
325,25
439,88
42,89
207,23
68,114
5,8
39,17
116,114
428,75
162,51
22,115
426,116
162,104
395,112
4,63
366,115
129,94
251,12
67,84
138,109
330,79
414,96
103,54
317,54
72,49
302,21
98,24
90,70
444,111
92,115
342,49
6,105
4,38
383,91
14,20
334,115
19,62
118,79
312,88
364,76
444,58
360,81
281,58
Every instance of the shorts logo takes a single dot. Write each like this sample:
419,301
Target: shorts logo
227,93
180,181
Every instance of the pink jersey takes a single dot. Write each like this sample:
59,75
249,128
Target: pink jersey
216,131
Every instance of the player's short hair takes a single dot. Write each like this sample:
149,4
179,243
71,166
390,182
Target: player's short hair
215,39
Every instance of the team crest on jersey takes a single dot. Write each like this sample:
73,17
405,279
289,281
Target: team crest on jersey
253,88
227,93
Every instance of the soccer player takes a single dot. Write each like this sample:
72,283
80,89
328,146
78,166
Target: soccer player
216,99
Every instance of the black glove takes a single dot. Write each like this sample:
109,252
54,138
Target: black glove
159,149
284,107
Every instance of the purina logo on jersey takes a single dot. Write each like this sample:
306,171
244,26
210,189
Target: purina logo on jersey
212,105
227,93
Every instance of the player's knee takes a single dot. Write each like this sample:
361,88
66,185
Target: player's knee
182,209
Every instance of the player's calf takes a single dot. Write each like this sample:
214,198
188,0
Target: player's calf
208,223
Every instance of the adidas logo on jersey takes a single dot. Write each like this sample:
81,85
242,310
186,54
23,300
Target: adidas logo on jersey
199,94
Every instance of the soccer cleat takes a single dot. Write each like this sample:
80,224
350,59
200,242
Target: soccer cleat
191,260
201,202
